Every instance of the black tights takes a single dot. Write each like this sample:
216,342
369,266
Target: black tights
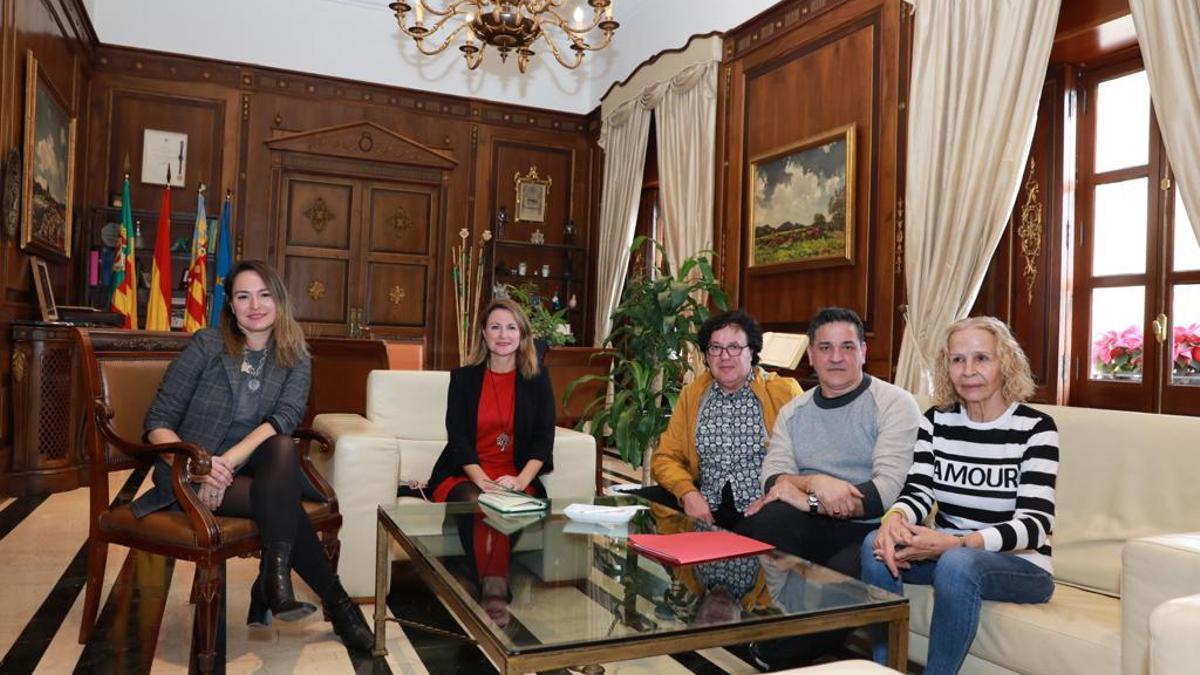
267,490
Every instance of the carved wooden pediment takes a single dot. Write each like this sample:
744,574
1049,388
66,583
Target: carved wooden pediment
364,141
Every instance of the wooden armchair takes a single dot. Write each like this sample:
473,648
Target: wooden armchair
122,371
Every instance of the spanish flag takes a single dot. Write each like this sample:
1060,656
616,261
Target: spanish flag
158,307
195,315
124,279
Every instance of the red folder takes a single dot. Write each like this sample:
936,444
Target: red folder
686,548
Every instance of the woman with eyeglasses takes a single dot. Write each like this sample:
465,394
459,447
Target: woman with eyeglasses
708,460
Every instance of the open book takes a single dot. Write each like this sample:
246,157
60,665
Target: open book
783,350
512,502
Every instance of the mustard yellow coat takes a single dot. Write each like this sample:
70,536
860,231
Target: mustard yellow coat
675,464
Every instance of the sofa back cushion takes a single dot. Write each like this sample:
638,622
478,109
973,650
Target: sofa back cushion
1121,475
409,403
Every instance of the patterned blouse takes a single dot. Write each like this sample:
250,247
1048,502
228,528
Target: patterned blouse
731,441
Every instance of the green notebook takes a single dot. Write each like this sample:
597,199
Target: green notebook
510,502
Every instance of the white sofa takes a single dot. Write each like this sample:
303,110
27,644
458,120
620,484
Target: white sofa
1128,495
399,440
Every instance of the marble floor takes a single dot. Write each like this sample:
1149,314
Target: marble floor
145,620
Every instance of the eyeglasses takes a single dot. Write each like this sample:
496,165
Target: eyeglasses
715,350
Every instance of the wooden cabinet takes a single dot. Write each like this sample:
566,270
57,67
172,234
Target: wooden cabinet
356,228
48,412
566,265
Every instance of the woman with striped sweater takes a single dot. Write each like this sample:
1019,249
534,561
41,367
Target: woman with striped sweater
988,463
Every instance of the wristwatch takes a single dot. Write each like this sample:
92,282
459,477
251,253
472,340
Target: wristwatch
813,504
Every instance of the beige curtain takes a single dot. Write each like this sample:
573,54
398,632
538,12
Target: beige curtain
623,136
686,122
1169,34
978,69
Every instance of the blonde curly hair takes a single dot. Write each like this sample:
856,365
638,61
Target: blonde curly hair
1014,366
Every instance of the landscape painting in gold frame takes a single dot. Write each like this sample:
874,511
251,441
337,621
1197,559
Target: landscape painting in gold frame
802,204
48,178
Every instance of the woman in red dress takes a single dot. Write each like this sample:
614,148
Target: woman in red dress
499,413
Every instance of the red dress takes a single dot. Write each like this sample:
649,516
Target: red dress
497,402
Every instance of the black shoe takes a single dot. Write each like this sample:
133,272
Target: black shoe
347,619
260,613
276,583
756,657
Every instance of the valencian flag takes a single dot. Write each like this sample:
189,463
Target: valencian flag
195,310
158,307
124,278
224,263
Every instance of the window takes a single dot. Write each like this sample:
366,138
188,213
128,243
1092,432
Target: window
1136,290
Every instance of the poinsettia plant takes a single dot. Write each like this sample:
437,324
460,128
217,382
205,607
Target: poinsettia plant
1118,352
1186,355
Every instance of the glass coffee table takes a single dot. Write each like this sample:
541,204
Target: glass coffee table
538,592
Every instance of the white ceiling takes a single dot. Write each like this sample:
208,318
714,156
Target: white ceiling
359,40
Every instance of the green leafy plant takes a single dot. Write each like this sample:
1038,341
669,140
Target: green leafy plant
546,323
656,321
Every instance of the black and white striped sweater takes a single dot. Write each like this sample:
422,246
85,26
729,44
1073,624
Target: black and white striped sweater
994,477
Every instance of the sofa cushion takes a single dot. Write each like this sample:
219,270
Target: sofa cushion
1076,632
409,403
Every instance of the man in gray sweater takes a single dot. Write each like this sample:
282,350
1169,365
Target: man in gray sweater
839,453
837,459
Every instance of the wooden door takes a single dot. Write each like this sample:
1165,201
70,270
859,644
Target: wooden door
398,256
318,237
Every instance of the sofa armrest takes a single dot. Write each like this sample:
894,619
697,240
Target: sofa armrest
362,470
1153,571
1174,626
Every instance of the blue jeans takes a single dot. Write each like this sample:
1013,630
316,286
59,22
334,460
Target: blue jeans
962,578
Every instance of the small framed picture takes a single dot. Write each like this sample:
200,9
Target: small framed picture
532,193
163,153
45,291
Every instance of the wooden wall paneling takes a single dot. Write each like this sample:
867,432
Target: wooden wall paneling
793,74
62,40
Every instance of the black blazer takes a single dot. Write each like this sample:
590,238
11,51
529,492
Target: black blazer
533,423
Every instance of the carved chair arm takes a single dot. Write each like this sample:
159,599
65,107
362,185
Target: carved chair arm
305,437
200,517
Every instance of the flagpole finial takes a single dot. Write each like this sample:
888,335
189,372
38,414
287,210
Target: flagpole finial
168,176
201,189
126,177
228,193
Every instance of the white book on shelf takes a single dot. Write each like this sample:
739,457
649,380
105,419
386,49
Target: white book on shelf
783,350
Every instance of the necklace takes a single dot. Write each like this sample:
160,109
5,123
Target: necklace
253,371
503,440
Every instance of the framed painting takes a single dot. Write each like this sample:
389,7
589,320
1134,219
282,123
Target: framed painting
532,193
48,177
45,291
802,204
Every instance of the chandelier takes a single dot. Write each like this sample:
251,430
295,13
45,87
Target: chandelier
508,25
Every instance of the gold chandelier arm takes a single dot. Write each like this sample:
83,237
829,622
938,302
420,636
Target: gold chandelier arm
567,27
420,41
450,9
558,55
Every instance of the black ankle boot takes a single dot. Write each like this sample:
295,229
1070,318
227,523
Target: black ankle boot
347,619
260,613
276,583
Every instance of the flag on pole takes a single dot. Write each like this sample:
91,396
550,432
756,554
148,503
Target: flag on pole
124,279
224,263
158,307
195,310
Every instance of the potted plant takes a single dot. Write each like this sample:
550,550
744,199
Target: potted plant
1185,356
550,327
1119,355
654,326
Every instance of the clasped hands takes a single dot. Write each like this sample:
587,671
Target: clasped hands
510,483
214,483
899,543
839,499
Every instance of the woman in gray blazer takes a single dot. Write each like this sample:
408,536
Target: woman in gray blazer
238,391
